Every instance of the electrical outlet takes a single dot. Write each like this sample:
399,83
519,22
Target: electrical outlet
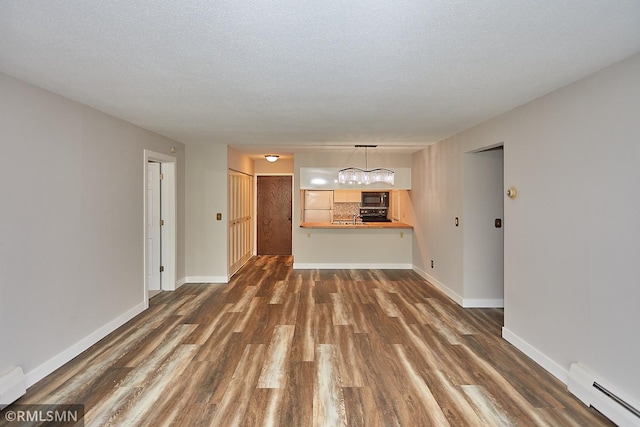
308,234
401,235
431,263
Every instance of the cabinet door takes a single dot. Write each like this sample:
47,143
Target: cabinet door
394,208
346,196
318,199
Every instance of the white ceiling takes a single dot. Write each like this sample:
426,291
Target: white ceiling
282,75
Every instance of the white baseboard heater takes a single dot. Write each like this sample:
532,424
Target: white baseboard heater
12,386
585,386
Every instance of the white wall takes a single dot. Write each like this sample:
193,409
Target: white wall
206,195
436,198
71,221
572,236
353,248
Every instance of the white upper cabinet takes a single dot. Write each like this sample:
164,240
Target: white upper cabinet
327,179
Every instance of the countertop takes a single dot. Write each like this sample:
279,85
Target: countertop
366,225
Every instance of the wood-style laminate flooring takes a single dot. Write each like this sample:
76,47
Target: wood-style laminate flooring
284,347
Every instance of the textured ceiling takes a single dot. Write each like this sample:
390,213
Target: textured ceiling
276,75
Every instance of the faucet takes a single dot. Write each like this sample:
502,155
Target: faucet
354,218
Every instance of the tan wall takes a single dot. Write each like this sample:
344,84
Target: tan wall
282,166
239,162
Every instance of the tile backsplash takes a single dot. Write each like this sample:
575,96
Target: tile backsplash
345,210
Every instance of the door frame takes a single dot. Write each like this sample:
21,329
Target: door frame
154,228
255,206
168,209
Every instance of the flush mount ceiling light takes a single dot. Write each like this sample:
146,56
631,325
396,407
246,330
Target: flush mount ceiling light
354,175
271,157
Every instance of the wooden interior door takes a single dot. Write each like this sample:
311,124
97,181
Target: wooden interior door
273,216
153,227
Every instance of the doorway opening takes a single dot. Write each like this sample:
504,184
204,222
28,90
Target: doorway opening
159,224
483,233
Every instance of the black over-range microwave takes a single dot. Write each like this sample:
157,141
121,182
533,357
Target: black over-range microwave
375,199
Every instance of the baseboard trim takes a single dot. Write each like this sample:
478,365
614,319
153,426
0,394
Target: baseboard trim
462,302
181,282
205,279
65,356
537,356
446,290
349,266
482,303
12,386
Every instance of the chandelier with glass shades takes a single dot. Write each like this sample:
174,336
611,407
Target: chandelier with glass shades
354,175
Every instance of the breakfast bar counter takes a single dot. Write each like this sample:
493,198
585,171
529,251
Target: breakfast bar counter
351,225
